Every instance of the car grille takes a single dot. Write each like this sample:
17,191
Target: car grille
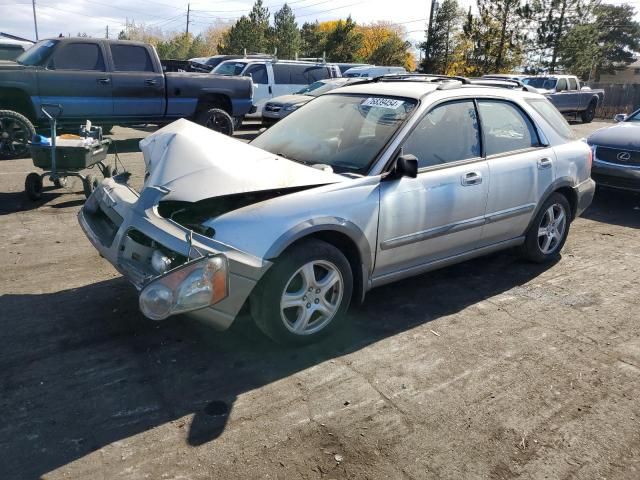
618,156
270,107
616,182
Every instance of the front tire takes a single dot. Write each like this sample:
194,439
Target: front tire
16,131
218,120
548,231
589,114
305,295
33,186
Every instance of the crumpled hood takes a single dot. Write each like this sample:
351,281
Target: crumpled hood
622,135
196,163
290,99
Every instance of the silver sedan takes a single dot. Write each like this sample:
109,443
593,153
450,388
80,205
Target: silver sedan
366,185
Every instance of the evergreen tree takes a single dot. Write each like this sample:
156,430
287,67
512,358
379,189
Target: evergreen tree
286,36
312,40
439,48
248,33
392,51
344,41
503,20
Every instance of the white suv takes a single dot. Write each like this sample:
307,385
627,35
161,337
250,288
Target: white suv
272,77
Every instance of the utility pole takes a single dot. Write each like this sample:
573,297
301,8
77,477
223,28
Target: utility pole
35,20
188,12
427,51
107,33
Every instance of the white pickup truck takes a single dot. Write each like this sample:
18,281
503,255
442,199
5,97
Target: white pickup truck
568,94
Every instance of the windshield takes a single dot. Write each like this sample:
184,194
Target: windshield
540,82
317,88
356,129
37,54
634,117
230,68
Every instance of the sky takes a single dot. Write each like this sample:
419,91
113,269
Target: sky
93,16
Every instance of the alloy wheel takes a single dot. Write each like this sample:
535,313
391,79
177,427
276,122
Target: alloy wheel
14,137
219,122
552,228
311,297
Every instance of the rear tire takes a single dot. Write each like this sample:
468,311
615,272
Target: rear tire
305,295
218,120
16,131
589,114
548,231
33,186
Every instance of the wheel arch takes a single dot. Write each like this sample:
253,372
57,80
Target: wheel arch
17,100
342,234
214,100
564,186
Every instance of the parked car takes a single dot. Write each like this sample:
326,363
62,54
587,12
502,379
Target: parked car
372,71
616,153
394,181
110,82
568,95
207,64
272,77
11,49
282,106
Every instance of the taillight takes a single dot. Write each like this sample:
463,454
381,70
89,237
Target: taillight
590,158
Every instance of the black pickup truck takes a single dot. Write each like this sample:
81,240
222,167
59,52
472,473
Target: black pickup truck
110,82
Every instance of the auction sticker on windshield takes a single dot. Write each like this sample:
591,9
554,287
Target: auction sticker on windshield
383,102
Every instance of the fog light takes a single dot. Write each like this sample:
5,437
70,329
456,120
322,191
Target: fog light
156,301
193,285
160,262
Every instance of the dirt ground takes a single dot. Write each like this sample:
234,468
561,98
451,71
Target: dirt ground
495,368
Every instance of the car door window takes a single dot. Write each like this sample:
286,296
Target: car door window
448,133
298,75
281,73
131,58
573,84
258,74
505,127
79,56
561,85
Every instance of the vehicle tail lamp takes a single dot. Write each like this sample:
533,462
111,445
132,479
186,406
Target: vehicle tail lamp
592,152
191,286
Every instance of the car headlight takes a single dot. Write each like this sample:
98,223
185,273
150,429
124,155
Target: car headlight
191,286
291,108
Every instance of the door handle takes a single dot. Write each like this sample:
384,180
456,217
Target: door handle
471,178
270,90
104,81
150,82
544,163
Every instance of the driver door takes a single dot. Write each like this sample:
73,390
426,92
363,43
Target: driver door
440,213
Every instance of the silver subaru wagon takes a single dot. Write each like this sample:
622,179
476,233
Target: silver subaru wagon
363,186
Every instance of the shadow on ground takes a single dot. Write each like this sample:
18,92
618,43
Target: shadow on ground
84,369
617,207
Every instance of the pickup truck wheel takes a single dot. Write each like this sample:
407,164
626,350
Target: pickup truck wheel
33,186
589,114
218,120
548,231
16,131
305,295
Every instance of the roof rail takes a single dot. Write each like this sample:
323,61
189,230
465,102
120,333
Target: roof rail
502,83
425,77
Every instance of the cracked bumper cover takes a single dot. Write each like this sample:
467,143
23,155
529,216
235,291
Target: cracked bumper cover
114,209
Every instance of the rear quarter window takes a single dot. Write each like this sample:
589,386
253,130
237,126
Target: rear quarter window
553,117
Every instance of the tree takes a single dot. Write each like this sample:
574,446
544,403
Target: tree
603,45
248,33
286,36
439,47
504,20
312,41
392,51
344,41
554,19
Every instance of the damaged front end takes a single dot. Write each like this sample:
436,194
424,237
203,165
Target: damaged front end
156,238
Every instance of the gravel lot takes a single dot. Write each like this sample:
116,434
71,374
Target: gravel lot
495,368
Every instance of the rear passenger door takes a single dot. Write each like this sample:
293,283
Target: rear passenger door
262,89
138,84
76,77
521,168
440,213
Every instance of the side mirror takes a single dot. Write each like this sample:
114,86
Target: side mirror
621,117
406,166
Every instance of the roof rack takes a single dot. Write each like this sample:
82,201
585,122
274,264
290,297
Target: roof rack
447,81
502,83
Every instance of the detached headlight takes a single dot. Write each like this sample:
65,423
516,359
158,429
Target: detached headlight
194,285
291,108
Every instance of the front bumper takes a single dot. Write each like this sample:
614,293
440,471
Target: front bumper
624,177
115,218
584,194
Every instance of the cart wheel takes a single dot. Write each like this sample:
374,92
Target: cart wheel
33,186
90,183
60,182
108,171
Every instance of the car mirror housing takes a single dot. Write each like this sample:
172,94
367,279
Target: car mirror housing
406,166
620,117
